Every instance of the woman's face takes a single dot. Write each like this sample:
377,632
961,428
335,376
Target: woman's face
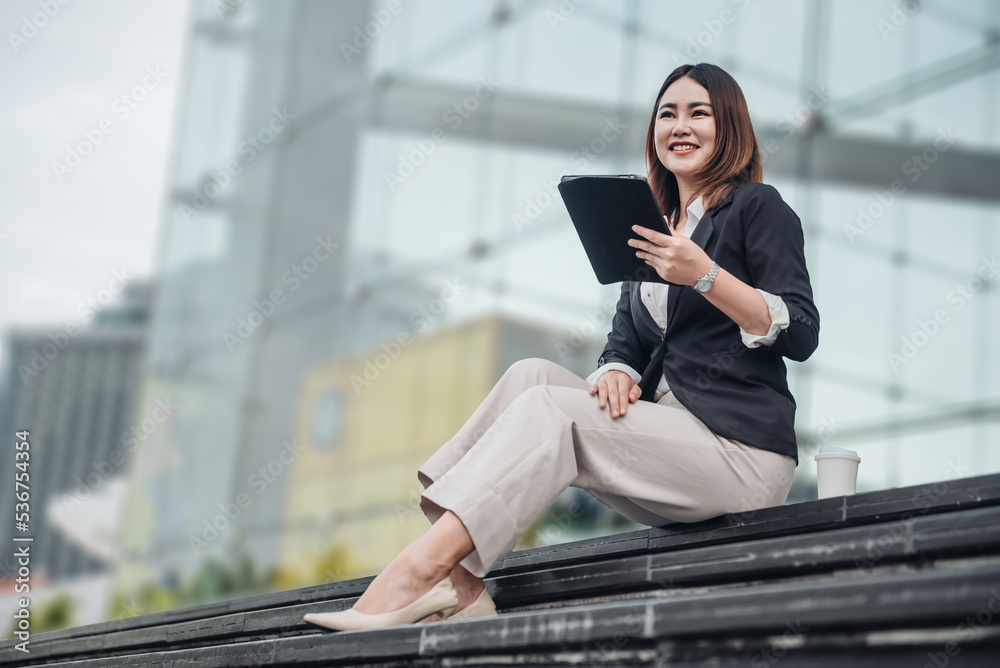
685,127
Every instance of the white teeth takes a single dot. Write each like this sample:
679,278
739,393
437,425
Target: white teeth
682,147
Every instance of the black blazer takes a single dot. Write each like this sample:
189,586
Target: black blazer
738,392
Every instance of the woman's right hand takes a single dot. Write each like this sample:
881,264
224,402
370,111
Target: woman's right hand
617,389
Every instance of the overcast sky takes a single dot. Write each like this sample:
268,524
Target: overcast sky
64,233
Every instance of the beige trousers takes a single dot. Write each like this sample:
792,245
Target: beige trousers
540,431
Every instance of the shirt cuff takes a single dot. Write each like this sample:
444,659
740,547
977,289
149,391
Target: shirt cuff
613,366
779,321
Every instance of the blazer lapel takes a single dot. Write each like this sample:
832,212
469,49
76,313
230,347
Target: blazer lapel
702,233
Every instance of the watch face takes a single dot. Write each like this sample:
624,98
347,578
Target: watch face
705,282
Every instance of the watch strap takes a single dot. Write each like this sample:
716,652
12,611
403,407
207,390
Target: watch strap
710,277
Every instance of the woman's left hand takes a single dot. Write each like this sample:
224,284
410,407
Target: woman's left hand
674,257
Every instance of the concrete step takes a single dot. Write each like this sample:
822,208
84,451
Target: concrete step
927,529
888,619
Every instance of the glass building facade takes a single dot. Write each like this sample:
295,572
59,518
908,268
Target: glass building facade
363,231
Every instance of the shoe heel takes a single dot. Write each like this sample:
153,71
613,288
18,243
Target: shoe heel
447,612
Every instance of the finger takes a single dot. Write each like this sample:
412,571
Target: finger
634,393
646,246
623,395
613,398
648,258
658,238
602,393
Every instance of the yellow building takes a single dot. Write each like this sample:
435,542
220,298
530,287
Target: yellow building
369,422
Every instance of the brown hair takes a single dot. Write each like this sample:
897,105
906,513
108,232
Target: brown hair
736,158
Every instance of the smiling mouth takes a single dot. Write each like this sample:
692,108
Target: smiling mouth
682,148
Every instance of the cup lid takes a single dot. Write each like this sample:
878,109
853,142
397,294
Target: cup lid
832,451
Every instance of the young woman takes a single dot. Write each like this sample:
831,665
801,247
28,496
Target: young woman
688,416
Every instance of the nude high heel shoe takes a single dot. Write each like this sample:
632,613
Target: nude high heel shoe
481,607
441,599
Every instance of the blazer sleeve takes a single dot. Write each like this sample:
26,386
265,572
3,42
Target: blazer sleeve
775,257
624,345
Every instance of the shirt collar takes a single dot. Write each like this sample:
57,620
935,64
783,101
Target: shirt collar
695,212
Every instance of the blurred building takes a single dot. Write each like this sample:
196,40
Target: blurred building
342,168
76,389
367,422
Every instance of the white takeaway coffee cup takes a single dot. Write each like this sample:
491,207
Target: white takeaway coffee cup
836,471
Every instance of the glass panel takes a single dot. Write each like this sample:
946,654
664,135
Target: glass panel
485,214
854,332
941,455
837,402
988,368
932,326
943,234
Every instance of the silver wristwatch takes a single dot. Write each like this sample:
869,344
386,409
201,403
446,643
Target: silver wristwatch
704,283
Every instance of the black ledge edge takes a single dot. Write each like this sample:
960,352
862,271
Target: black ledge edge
919,600
855,551
846,551
801,518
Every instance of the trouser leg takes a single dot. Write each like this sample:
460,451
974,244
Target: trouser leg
520,376
657,464
744,478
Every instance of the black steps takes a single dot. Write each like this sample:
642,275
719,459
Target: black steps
869,579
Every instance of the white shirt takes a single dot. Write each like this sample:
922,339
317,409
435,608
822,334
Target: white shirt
654,298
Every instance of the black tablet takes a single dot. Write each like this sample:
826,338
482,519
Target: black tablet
603,208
